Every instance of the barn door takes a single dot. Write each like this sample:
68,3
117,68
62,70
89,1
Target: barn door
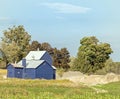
18,72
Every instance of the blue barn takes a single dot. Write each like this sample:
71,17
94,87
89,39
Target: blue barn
37,64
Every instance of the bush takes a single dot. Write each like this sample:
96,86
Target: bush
60,72
110,66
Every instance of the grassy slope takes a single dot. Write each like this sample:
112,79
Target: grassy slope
54,89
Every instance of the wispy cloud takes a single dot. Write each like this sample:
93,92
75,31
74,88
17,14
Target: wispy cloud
7,20
66,8
60,17
4,18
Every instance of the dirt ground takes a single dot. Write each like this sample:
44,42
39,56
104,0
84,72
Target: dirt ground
78,77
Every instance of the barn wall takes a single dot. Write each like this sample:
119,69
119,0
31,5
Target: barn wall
47,58
29,73
18,72
10,71
54,73
44,71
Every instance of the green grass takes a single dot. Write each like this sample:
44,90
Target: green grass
41,89
55,89
113,89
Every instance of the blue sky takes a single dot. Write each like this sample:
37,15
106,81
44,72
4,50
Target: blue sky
63,23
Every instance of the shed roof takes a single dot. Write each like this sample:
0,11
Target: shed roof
32,63
17,65
35,55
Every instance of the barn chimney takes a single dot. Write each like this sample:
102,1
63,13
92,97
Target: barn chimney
24,62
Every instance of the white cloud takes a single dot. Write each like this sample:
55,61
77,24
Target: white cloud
66,8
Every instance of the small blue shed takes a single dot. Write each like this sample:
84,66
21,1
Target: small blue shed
37,64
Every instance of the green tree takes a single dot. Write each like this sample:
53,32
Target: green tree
65,58
71,63
46,46
3,60
15,43
61,58
35,45
91,55
110,66
56,58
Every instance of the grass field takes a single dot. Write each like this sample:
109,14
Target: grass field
55,89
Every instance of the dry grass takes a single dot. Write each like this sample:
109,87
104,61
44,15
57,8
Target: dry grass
54,89
3,73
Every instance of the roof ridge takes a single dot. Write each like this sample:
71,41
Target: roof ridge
39,51
34,60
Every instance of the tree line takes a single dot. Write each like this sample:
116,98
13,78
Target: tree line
93,56
16,44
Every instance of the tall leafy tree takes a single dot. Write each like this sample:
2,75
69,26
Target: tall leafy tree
61,58
56,58
46,46
35,45
3,60
91,55
15,43
65,58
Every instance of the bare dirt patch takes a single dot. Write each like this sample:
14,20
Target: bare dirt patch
78,77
